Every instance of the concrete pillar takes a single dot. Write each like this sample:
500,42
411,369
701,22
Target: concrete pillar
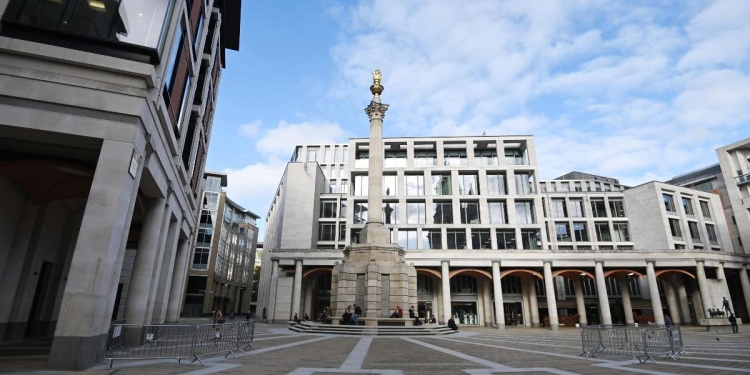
308,299
487,302
580,305
375,232
95,270
684,305
272,292
526,304
166,271
497,286
179,278
445,278
626,304
297,296
745,281
721,276
703,287
601,291
654,290
674,307
533,302
549,283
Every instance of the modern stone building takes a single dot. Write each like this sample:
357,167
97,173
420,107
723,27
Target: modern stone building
106,111
735,170
493,245
221,273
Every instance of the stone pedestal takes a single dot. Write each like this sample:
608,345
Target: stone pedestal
388,281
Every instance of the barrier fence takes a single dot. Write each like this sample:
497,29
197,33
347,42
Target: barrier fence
640,344
177,341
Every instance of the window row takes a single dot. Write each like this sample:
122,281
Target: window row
455,239
580,232
676,231
577,186
687,206
441,184
442,212
560,208
452,157
329,154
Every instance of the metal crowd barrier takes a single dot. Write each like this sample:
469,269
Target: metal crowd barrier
164,341
640,344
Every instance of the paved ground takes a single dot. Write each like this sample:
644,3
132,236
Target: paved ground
472,351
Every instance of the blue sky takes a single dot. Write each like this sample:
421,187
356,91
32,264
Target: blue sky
634,90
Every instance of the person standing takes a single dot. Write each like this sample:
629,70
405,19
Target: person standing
265,316
733,322
667,321
725,305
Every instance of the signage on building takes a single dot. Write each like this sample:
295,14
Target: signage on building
134,160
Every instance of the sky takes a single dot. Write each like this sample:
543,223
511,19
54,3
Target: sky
633,90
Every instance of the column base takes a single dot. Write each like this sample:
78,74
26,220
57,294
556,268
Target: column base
76,353
500,326
535,325
583,324
554,327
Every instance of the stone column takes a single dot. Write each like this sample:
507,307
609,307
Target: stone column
97,259
375,232
533,302
605,317
308,299
445,278
497,285
487,302
549,282
580,305
721,276
297,296
703,286
654,290
272,292
626,305
745,281
674,308
179,278
684,305
526,314
166,273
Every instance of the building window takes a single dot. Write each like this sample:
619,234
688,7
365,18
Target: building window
342,209
480,239
455,158
616,208
531,239
199,32
602,232
674,227
334,172
360,213
407,238
712,234
338,156
463,284
328,155
597,208
414,184
424,284
327,232
204,236
525,212
332,187
456,239
621,232
442,212
515,156
360,185
344,187
498,214
361,159
207,218
668,202
395,159
705,210
211,200
441,184
496,183
467,184
559,208
328,209
425,158
577,186
694,233
390,185
565,186
563,232
579,229
415,212
342,232
432,239
687,205
506,239
390,212
576,208
200,258
524,183
485,157
511,284
355,235
312,153
469,212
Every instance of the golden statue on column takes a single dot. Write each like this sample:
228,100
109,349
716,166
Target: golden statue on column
376,89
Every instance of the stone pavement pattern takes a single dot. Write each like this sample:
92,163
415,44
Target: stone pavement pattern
472,351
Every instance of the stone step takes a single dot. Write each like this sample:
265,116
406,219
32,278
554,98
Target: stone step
316,328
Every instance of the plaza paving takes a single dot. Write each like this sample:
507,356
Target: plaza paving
471,351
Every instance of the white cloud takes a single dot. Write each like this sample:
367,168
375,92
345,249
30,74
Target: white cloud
249,130
282,139
253,184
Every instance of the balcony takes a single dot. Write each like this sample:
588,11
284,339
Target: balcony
743,179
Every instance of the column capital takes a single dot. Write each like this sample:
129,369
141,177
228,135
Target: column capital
599,261
650,260
700,260
544,261
444,262
498,262
376,111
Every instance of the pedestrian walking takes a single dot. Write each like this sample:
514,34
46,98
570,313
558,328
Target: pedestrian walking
733,322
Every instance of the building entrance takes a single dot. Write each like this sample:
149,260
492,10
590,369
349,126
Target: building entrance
465,312
513,313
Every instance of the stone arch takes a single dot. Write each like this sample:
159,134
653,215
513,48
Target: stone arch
521,273
616,273
471,272
315,272
571,273
429,272
673,271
